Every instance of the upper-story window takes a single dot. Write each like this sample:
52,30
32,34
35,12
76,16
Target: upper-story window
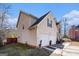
49,23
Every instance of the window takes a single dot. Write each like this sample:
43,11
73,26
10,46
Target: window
49,23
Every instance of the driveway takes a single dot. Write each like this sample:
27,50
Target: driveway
70,49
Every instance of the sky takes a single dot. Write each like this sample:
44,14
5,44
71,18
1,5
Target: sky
59,10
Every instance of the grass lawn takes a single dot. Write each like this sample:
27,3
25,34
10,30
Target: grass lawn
22,50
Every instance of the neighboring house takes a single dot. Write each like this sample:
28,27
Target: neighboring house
35,31
74,32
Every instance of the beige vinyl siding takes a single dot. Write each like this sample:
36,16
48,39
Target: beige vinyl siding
47,33
26,35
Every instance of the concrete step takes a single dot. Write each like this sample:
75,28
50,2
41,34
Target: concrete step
48,48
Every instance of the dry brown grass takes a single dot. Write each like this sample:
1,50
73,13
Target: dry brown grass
75,43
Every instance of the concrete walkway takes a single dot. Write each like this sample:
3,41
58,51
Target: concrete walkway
57,52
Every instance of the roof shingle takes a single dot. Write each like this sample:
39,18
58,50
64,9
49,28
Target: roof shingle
39,20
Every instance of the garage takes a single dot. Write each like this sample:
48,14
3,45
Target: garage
44,40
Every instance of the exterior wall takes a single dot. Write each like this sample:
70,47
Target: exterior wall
25,35
46,33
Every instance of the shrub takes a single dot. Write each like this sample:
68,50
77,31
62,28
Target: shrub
1,44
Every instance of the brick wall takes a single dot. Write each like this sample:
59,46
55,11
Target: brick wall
74,33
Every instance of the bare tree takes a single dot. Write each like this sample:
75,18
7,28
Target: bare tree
4,16
65,20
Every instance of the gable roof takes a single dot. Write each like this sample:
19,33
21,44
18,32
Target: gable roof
57,23
40,19
25,14
77,27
